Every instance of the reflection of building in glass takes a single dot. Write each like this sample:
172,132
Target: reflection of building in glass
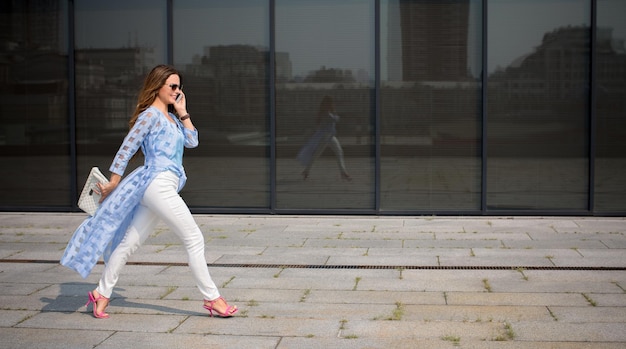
229,83
33,74
284,69
238,79
610,93
430,38
107,81
31,24
557,69
611,67
429,87
547,90
330,75
121,64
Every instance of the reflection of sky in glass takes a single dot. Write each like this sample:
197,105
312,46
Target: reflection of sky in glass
306,29
611,14
329,33
200,24
516,28
121,23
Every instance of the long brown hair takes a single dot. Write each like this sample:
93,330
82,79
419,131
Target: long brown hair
326,106
151,86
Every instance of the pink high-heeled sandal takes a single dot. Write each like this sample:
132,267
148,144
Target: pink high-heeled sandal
230,309
94,300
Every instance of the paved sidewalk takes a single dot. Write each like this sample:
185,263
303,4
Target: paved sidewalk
330,282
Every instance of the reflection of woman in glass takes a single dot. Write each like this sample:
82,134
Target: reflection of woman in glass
325,135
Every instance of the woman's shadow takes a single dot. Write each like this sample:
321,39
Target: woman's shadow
73,296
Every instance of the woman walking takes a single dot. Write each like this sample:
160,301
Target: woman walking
132,207
324,136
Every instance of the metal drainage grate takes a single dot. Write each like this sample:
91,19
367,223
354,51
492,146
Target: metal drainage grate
325,266
409,267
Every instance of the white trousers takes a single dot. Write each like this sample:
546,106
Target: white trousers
161,202
336,147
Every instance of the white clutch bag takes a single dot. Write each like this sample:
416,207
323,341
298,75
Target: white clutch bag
88,200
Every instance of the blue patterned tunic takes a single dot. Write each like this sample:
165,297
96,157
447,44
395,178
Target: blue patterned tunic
320,138
162,144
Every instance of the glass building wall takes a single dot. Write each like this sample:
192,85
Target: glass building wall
610,112
324,84
222,50
35,169
538,105
110,64
320,106
430,119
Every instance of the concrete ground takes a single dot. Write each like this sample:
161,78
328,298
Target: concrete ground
330,282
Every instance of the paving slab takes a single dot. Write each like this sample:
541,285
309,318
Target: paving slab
475,313
566,331
51,338
415,330
515,298
419,343
121,340
590,313
375,298
610,300
137,322
330,282
261,326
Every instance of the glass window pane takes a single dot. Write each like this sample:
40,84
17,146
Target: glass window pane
431,105
117,43
34,127
537,103
222,49
324,80
610,175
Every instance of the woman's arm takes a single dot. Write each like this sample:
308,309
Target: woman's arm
132,142
129,147
106,189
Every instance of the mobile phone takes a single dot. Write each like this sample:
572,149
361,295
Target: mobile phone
180,95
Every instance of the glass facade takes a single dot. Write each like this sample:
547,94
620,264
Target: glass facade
226,79
610,108
34,113
328,106
430,105
538,104
324,66
110,62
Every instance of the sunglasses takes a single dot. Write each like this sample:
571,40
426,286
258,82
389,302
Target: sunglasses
175,87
